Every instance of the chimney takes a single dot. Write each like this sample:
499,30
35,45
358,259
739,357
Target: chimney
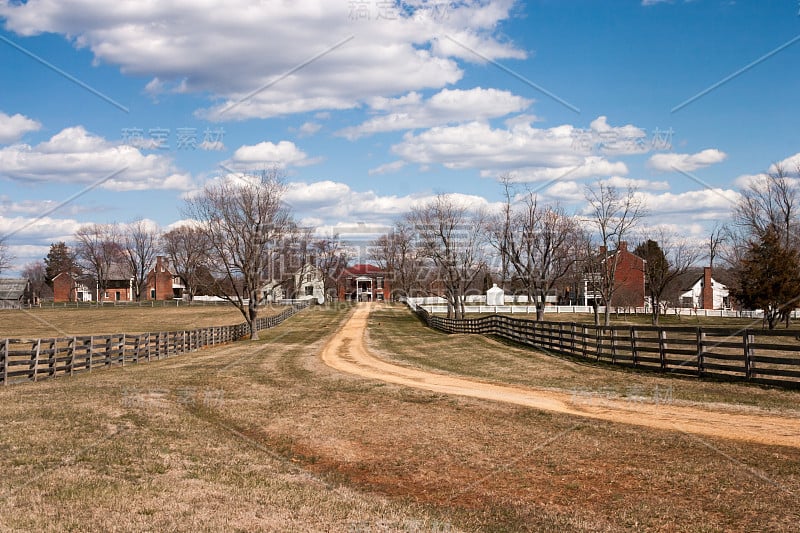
602,250
159,268
708,290
623,246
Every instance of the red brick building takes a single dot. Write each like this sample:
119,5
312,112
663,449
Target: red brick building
628,279
163,283
364,283
67,288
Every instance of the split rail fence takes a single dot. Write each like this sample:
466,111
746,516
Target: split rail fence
756,355
34,359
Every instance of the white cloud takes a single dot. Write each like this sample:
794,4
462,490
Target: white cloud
13,127
445,107
248,52
335,201
790,165
686,162
76,156
394,166
702,204
591,166
525,152
309,128
268,154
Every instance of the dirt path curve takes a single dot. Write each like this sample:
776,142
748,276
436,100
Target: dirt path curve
346,351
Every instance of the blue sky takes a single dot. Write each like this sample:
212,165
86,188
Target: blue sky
371,106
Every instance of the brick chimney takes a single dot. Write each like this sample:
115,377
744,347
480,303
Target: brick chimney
602,250
623,246
708,290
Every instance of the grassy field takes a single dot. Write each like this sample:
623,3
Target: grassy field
84,321
262,436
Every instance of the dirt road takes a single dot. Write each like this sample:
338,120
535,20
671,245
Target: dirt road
346,351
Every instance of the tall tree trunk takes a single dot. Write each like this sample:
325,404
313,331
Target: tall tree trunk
252,316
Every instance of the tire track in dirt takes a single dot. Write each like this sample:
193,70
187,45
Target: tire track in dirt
347,352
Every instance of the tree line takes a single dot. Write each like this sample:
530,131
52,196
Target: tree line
242,233
447,249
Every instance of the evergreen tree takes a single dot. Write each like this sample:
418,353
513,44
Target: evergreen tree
768,277
60,259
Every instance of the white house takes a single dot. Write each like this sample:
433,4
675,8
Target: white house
706,293
309,282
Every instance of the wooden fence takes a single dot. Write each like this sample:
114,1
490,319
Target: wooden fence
756,355
34,359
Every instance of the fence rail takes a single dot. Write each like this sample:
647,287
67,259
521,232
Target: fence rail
34,359
761,356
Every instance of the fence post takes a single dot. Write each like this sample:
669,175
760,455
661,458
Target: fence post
108,349
53,360
613,346
572,338
91,351
35,359
634,334
5,362
701,337
748,340
583,340
71,360
123,346
662,348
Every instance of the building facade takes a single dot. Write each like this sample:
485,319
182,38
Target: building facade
628,280
163,283
706,293
364,283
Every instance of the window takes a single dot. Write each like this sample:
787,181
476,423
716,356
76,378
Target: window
379,283
117,296
309,290
152,294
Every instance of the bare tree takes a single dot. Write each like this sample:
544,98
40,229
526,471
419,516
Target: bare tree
5,255
35,272
665,261
538,243
614,215
453,239
187,248
397,253
98,250
715,241
771,201
331,258
244,220
141,246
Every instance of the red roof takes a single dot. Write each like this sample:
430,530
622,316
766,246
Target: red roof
364,270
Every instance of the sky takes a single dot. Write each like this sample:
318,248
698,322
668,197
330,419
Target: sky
114,111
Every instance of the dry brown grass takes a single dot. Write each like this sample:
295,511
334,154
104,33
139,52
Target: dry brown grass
263,436
61,322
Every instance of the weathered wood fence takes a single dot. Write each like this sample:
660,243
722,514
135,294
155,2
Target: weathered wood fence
769,357
35,359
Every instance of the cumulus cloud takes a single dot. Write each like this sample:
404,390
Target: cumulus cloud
686,162
13,127
522,150
268,154
447,106
76,156
262,59
331,201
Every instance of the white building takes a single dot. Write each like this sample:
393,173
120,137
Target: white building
706,293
